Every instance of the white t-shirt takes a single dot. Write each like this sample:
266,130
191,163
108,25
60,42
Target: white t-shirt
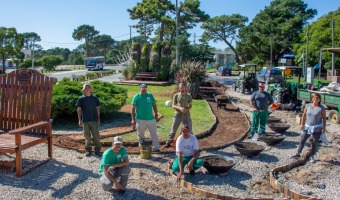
187,146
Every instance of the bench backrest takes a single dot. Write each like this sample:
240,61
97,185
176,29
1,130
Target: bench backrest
26,97
155,74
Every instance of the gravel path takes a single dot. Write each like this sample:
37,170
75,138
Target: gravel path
71,175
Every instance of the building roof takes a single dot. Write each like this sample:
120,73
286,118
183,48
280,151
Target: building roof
333,50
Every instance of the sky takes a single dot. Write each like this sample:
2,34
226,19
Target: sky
55,20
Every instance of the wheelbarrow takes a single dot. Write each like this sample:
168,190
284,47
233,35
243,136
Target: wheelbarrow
221,100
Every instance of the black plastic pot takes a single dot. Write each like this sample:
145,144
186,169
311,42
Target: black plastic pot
217,169
272,139
273,119
249,148
279,127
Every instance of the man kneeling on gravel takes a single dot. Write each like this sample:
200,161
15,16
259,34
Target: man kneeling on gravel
114,165
187,151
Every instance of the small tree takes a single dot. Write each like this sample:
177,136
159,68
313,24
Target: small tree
50,62
28,63
192,73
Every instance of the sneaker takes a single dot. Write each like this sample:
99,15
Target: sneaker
98,153
121,192
295,156
167,145
311,159
87,154
156,151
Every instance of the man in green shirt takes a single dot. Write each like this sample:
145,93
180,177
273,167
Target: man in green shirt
142,117
114,164
182,103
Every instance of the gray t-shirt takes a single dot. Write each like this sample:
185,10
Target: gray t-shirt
314,116
261,99
88,105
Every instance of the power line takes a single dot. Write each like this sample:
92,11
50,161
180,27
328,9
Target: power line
71,43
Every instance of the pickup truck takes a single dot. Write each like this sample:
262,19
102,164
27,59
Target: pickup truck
330,100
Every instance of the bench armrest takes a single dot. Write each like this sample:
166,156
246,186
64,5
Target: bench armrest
29,127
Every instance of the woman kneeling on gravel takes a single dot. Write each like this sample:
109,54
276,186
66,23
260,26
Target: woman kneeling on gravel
313,123
187,151
114,164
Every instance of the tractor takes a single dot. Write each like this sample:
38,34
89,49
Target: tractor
285,92
248,82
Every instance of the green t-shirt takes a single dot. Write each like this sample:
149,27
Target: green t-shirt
143,105
181,100
110,158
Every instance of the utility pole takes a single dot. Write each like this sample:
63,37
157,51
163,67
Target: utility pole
332,47
130,35
306,61
320,62
33,43
177,47
271,51
195,44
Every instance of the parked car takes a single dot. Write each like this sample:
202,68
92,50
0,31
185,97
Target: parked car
269,75
223,71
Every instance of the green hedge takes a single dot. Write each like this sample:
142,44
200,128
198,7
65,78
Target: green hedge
67,92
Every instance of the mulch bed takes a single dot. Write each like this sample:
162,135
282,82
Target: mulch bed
222,134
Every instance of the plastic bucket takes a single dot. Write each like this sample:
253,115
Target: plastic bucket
145,149
275,106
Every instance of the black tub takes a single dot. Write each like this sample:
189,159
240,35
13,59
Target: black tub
249,148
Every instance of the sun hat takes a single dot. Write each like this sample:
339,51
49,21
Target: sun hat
117,140
143,85
185,127
86,84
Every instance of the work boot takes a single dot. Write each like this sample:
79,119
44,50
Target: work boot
167,144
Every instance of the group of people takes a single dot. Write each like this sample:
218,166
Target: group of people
144,114
114,169
313,121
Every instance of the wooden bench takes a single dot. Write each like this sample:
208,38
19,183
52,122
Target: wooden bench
25,110
146,75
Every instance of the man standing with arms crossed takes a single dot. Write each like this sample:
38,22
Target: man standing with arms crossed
141,113
182,103
89,118
259,100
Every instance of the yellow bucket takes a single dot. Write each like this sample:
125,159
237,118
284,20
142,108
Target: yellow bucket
145,149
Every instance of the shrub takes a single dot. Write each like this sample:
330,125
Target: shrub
28,63
50,62
67,92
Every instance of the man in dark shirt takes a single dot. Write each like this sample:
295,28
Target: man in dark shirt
89,118
259,100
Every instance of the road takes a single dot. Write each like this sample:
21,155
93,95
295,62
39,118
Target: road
113,78
225,80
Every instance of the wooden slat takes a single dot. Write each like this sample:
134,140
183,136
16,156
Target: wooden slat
25,107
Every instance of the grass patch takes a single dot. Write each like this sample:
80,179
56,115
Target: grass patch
210,70
302,80
201,115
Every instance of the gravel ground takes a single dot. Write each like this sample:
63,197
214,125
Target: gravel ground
71,175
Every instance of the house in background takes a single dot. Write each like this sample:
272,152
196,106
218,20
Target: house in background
225,58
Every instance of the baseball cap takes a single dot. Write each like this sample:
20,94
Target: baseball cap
261,84
86,84
117,140
185,127
143,85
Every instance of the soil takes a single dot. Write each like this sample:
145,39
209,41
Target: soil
222,134
279,127
221,97
217,162
249,146
272,119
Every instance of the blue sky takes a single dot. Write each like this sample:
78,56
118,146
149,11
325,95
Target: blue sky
55,20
